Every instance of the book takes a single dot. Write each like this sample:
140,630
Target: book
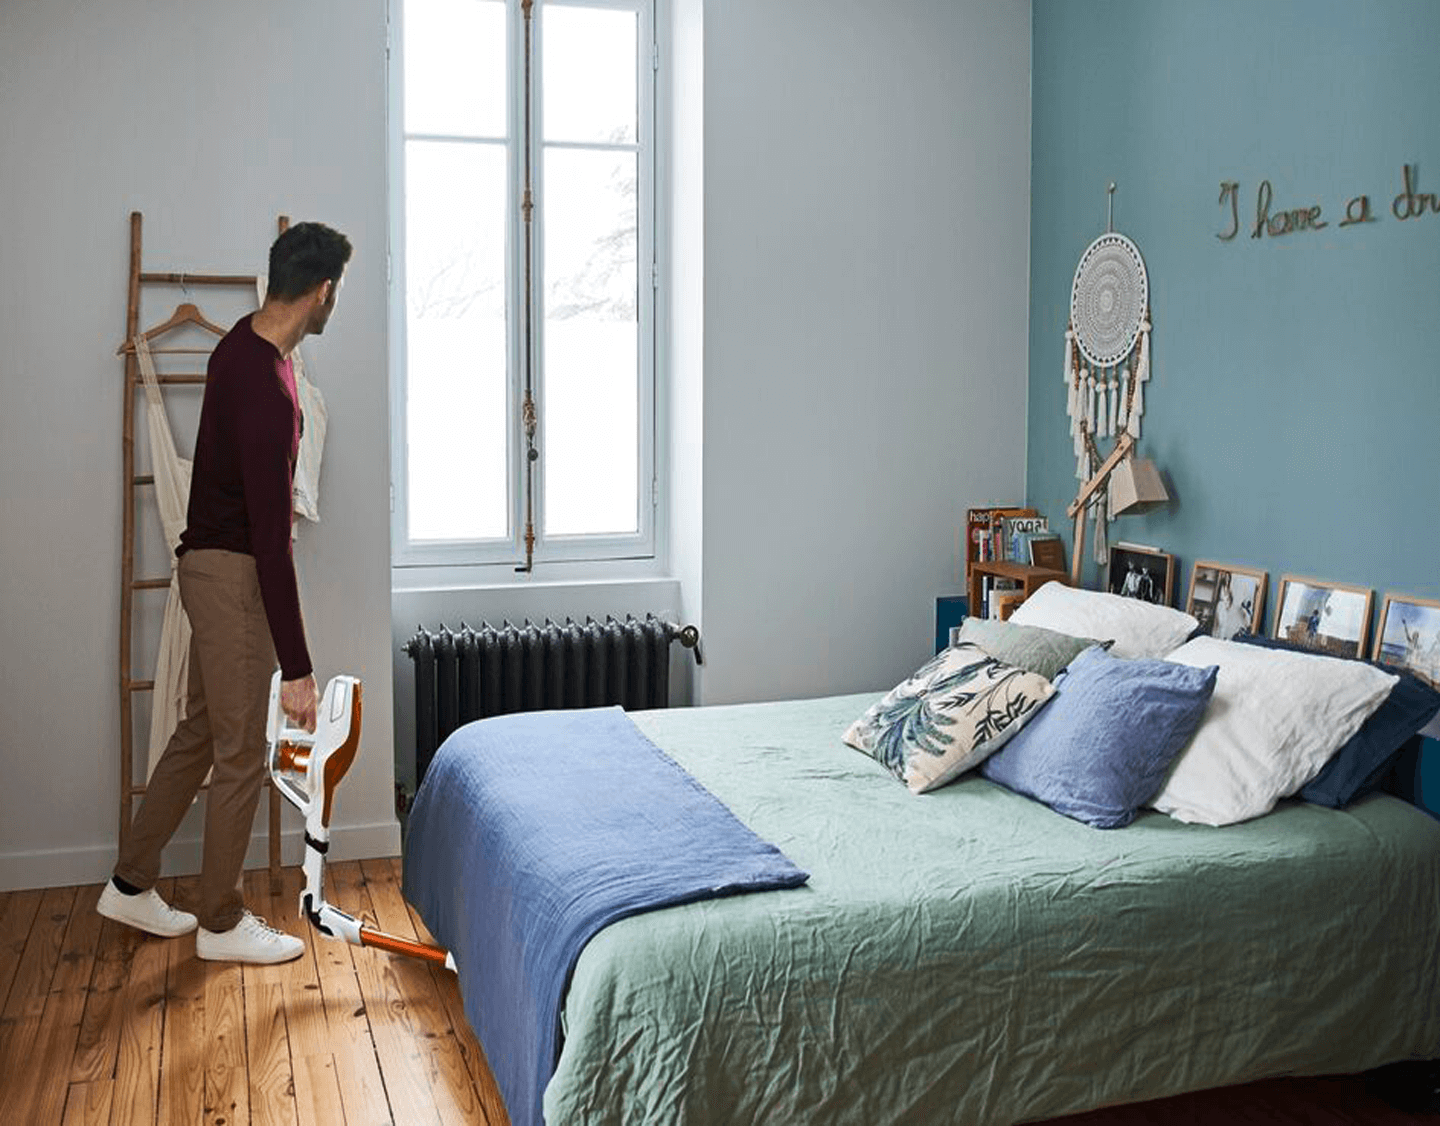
1017,532
1006,602
1046,549
1000,592
985,534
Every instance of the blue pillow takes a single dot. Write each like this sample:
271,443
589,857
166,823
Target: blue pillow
1362,762
1101,747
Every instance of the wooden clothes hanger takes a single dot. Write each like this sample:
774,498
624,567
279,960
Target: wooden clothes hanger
185,313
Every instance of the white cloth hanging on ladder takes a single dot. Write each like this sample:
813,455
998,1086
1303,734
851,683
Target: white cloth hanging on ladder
172,493
305,494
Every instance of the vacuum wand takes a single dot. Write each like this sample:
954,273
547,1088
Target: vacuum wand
307,768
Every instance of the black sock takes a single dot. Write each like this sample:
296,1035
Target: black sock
125,888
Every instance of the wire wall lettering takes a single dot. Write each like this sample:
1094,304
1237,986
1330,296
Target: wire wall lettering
1274,222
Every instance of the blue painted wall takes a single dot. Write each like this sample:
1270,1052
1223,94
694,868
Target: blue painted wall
1295,402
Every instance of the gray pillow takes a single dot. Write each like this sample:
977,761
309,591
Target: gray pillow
1032,648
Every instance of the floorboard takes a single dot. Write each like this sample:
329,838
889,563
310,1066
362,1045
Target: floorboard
103,1026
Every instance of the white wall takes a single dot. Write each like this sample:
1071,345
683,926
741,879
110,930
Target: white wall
849,338
844,331
866,265
211,119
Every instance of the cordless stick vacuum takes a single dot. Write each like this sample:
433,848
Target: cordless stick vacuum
307,768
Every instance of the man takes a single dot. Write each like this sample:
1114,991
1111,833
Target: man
238,586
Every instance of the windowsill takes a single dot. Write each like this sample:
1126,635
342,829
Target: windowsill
503,576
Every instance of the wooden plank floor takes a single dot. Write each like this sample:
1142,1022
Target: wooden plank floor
100,1023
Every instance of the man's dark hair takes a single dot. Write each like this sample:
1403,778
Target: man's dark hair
303,257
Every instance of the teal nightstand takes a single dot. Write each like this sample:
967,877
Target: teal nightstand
950,611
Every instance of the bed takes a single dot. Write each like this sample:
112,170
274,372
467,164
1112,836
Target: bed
971,956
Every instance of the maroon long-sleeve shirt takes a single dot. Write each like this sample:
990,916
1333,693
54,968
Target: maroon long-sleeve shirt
240,486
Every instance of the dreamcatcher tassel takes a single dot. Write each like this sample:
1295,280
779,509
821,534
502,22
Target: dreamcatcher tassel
1072,407
1141,377
1127,377
1114,386
1094,403
1075,412
1070,376
1102,546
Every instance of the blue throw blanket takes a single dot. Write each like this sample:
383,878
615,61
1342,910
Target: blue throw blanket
533,831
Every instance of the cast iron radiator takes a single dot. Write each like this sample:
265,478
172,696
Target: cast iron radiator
468,674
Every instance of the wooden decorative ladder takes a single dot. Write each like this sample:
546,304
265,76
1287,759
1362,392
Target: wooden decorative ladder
129,584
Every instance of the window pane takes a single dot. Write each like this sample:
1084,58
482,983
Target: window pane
589,75
455,340
455,67
590,412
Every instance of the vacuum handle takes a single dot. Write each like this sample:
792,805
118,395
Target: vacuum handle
278,728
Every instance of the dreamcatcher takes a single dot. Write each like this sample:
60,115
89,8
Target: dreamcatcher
1105,370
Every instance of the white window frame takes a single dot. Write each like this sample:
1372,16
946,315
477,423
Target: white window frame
607,554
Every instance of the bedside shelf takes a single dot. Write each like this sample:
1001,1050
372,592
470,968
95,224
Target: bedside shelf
1030,578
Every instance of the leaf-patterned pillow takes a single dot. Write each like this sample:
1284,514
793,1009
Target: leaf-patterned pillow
947,718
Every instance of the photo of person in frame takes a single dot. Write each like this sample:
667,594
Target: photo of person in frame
1330,618
1410,637
1137,573
1226,600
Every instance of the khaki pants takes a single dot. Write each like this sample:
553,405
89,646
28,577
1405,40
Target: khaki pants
231,662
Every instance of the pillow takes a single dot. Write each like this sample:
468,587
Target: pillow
1276,719
1138,629
1032,648
957,709
1100,749
1359,766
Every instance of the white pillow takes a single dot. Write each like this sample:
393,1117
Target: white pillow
1139,629
1274,720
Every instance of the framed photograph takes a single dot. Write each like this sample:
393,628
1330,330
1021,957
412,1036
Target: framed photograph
1141,572
1226,599
1047,549
1409,636
1327,617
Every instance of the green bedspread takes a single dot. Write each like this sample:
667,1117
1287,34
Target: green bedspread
969,956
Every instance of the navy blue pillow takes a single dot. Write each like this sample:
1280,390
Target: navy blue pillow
1101,747
1362,762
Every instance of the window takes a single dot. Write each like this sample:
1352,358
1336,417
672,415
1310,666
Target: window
500,313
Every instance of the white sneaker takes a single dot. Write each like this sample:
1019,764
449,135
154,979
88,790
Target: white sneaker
145,911
250,940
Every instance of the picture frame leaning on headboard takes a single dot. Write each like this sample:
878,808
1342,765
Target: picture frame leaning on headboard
1227,599
1408,636
1328,617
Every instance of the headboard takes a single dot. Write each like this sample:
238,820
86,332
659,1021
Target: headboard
1416,774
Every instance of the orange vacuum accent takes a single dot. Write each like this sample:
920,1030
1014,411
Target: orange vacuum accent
382,941
344,755
291,756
